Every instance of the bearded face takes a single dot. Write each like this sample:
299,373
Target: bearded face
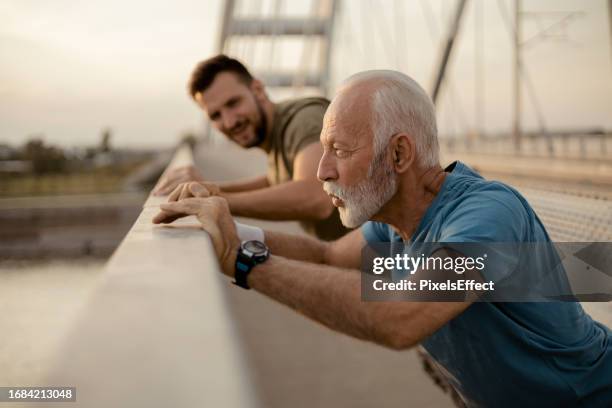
249,130
363,200
234,108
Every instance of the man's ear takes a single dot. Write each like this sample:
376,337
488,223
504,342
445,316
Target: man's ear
259,90
199,100
403,151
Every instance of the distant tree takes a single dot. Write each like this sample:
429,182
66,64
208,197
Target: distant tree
105,143
44,159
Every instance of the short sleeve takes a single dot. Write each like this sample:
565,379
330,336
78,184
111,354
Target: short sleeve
492,215
304,129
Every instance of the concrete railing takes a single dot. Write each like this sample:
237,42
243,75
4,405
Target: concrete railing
156,331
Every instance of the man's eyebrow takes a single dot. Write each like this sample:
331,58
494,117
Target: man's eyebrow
231,100
331,141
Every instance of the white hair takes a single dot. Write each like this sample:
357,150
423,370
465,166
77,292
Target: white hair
399,104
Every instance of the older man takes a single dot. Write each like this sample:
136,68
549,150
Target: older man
288,132
380,163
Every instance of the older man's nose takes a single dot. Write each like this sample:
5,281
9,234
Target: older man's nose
327,169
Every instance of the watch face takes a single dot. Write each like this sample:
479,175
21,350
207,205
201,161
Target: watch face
255,247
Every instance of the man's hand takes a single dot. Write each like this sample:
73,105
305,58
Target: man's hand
214,215
175,177
197,189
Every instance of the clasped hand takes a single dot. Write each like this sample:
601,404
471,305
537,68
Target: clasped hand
212,211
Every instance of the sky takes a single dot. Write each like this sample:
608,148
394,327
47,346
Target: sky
69,69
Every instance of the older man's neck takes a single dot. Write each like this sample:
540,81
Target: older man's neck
407,208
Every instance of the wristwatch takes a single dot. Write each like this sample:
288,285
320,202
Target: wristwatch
250,254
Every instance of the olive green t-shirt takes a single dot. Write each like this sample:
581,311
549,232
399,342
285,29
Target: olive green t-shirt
297,123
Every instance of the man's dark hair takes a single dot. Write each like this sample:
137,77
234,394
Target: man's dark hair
205,72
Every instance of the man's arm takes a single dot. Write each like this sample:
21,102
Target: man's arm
184,174
244,185
327,294
302,198
332,296
344,252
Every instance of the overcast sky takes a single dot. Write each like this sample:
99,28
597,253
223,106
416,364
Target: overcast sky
70,68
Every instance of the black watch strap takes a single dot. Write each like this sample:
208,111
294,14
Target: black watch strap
244,264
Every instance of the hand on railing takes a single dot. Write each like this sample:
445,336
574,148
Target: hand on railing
197,189
214,215
176,176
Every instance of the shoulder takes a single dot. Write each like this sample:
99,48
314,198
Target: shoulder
299,103
487,211
304,111
301,122
291,109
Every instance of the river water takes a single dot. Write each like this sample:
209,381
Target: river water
38,302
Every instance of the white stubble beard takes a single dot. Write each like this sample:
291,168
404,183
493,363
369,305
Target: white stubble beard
364,200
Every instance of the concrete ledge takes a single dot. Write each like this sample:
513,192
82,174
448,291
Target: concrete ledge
157,332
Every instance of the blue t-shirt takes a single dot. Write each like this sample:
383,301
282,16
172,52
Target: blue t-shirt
546,354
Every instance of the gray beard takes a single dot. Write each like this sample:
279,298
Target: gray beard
364,200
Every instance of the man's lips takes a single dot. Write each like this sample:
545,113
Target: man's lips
336,201
239,131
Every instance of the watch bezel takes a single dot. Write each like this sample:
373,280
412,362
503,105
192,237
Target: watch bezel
257,256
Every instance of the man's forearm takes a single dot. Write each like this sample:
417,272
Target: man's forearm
294,200
298,247
345,252
332,297
244,185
